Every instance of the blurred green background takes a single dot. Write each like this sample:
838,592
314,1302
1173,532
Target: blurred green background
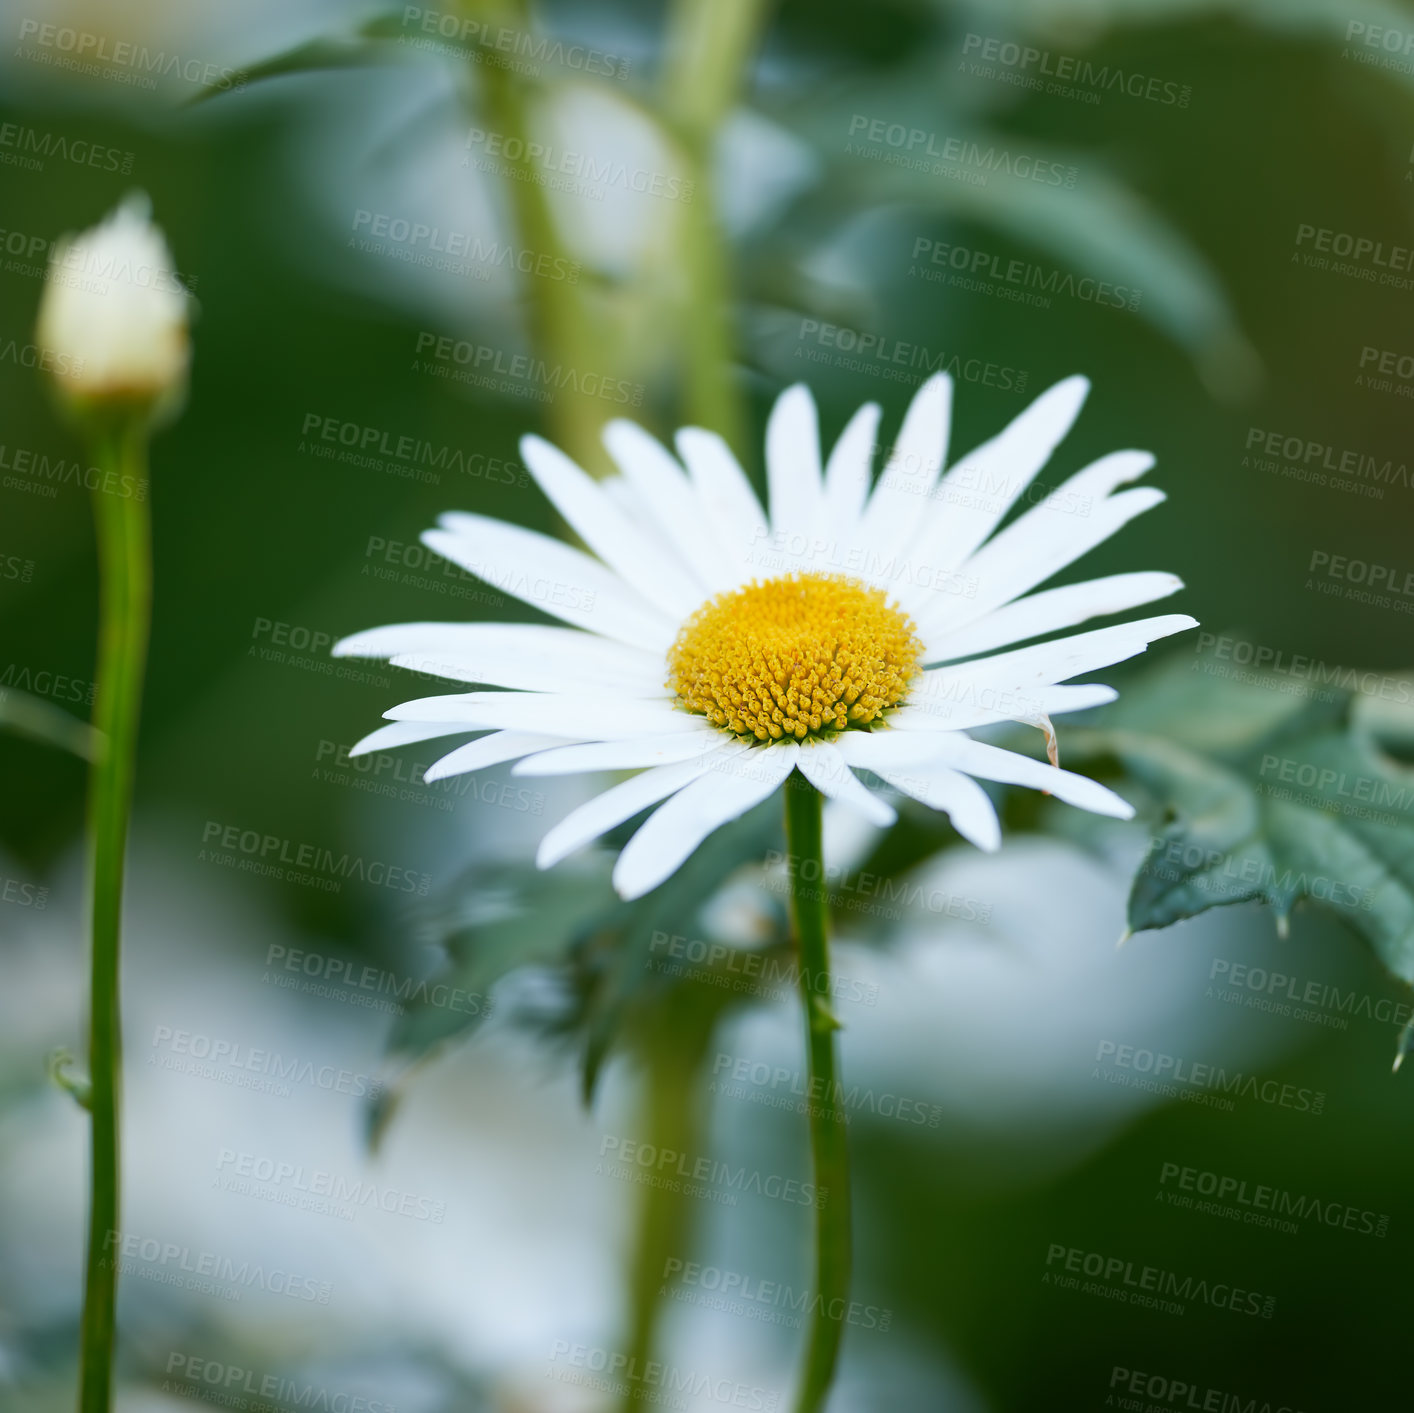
1199,207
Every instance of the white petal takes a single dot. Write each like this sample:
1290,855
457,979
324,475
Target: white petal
1055,701
576,718
405,733
1048,530
604,527
975,495
528,656
887,750
552,577
827,770
900,499
458,640
498,747
793,465
993,763
1097,480
667,496
960,797
670,834
620,802
1030,550
909,762
1044,664
1036,614
983,705
636,754
516,656
398,638
725,492
847,474
524,674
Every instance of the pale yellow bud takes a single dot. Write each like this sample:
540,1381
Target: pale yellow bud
113,318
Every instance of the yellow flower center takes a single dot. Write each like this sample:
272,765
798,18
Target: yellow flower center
794,656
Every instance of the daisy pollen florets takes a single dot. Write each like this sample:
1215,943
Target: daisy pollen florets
794,656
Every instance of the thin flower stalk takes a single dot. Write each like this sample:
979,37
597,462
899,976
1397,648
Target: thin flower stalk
829,1143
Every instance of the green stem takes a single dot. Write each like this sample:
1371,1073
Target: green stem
709,45
125,593
673,1119
559,326
829,1147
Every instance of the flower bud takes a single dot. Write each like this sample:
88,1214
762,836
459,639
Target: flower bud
113,317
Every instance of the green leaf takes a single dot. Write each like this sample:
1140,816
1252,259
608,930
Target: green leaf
60,1068
1272,793
1088,219
362,48
500,919
1102,229
42,721
617,959
497,920
1328,20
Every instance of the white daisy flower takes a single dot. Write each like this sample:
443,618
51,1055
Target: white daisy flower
714,646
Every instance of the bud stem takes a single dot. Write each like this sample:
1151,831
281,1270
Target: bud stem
125,593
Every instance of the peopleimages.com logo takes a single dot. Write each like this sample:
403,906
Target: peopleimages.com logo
225,1384
1136,1391
1138,1068
1263,1204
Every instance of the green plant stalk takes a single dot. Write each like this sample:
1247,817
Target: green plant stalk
559,326
829,1147
125,597
673,1118
709,45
